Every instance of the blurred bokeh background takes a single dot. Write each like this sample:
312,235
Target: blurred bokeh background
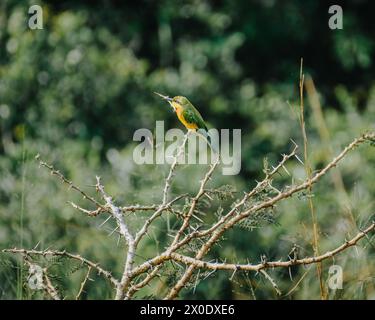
76,91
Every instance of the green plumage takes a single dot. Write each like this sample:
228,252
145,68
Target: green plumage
192,115
188,115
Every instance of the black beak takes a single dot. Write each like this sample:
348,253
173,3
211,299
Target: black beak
164,97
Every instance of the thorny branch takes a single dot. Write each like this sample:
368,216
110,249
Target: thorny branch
83,283
77,257
125,232
217,233
136,276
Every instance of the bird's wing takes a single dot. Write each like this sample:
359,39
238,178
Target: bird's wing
193,116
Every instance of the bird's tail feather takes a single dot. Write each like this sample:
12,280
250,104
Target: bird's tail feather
206,135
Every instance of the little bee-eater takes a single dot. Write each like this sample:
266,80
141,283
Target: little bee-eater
187,114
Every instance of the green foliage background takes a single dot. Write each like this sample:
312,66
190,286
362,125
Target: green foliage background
76,91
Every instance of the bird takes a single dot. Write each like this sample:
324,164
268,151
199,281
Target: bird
188,115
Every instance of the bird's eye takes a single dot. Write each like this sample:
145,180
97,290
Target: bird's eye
179,100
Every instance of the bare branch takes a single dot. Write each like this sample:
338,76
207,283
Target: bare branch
189,235
272,281
83,283
155,215
71,185
83,260
133,289
194,202
271,264
124,230
216,234
174,164
51,290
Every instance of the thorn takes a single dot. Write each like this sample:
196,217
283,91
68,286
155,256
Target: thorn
299,159
286,170
295,144
208,196
104,222
36,246
199,219
234,272
113,231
